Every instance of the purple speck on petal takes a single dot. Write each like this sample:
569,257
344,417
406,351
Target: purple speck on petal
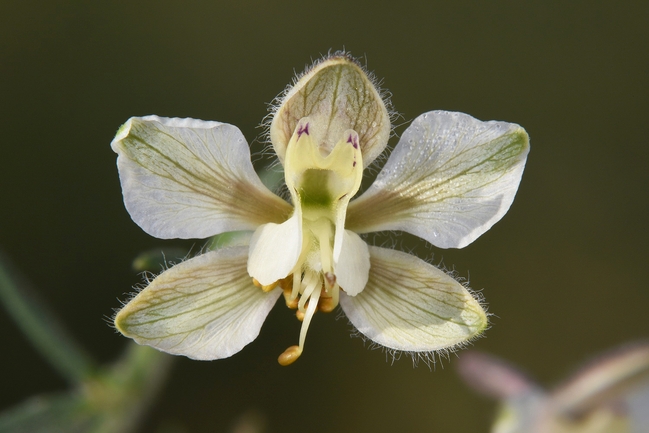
303,129
353,139
354,165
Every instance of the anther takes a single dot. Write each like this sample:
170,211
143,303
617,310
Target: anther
286,283
326,304
267,288
290,302
300,315
289,356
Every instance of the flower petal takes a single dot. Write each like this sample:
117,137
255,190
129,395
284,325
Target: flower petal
187,178
275,249
353,266
448,180
411,305
337,95
204,308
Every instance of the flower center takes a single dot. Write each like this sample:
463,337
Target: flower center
321,186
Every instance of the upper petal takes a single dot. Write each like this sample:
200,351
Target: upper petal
186,178
204,308
448,180
411,305
336,94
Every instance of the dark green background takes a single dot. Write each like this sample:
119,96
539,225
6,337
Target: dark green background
565,272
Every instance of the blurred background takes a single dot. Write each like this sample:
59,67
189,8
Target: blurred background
564,272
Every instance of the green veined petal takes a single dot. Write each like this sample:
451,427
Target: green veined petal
187,178
337,95
204,308
448,180
411,305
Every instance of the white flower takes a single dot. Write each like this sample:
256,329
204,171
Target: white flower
448,180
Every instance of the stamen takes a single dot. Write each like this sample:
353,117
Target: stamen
326,304
297,284
286,283
312,280
313,304
290,301
289,356
267,288
326,254
299,314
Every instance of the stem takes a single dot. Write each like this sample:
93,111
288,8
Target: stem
40,327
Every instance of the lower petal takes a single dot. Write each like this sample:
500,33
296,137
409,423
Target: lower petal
413,306
353,266
204,308
275,249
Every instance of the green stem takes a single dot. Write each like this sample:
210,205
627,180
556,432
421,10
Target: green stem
40,327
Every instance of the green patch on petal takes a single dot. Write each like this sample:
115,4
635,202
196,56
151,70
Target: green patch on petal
320,181
313,190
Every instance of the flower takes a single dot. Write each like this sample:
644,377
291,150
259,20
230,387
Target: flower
448,180
609,394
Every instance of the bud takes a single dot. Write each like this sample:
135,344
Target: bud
337,95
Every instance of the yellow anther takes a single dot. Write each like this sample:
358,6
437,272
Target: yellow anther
269,287
286,283
326,304
290,302
289,356
300,315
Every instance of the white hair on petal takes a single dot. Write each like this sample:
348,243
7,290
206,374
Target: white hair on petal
429,358
276,103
